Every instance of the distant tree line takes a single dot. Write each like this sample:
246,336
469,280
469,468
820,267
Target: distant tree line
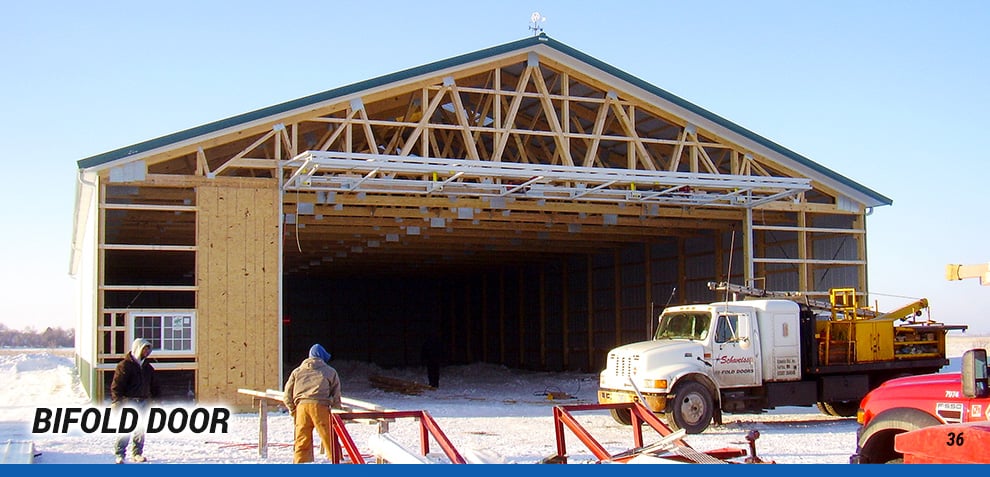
31,338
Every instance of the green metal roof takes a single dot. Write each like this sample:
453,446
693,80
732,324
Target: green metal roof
542,39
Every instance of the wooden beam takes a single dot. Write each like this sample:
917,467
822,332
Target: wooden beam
590,287
861,275
337,132
629,126
551,114
804,246
502,136
591,155
368,133
501,315
246,150
521,326
462,120
565,315
617,296
421,125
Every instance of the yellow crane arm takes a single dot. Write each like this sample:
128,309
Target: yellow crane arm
911,309
959,272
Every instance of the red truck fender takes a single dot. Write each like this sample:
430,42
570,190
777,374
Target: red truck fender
963,443
875,442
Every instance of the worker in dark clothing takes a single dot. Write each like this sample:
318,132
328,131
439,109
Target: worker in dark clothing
432,357
133,385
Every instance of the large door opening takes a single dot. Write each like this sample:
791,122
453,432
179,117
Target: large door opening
560,312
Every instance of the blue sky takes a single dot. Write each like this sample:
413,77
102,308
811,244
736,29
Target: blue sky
892,94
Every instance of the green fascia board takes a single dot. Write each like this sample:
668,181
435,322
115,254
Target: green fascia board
543,39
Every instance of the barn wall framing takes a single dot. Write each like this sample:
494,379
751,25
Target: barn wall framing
272,231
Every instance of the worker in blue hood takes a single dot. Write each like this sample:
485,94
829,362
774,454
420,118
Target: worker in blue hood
312,389
134,384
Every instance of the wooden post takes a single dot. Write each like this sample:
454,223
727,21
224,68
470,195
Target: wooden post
648,287
860,223
591,313
263,428
804,246
681,270
617,295
543,317
564,315
749,274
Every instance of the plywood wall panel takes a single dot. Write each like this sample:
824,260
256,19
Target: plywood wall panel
237,268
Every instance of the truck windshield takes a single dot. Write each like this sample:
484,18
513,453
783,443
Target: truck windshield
684,325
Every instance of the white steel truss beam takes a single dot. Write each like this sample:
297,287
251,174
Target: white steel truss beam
393,174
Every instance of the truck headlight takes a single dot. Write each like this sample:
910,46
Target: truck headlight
655,383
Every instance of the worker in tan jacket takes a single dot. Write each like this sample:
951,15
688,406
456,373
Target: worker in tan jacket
312,389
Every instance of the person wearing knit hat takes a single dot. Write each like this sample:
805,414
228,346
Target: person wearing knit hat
134,383
311,390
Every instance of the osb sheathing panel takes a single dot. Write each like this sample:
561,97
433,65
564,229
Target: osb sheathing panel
237,270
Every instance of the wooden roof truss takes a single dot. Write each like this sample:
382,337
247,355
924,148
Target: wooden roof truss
566,135
525,153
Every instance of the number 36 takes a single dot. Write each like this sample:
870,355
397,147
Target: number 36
955,439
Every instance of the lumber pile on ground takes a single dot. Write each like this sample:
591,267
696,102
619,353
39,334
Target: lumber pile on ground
395,385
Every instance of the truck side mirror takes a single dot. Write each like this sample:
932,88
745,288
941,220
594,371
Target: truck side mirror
974,373
743,342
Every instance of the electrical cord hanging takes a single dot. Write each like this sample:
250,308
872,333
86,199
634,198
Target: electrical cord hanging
298,245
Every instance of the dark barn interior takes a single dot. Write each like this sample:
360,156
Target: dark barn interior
553,312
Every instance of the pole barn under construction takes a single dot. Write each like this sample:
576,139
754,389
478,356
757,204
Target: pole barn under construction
527,204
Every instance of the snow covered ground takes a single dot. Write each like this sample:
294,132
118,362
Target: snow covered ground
503,414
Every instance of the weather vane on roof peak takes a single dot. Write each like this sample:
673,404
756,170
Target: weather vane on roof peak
536,23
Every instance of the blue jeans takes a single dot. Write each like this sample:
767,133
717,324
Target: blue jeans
137,437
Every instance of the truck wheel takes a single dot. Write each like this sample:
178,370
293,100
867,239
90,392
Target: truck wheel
690,408
876,440
841,408
622,416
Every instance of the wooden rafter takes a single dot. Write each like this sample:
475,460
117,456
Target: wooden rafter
502,136
470,146
591,157
551,114
628,125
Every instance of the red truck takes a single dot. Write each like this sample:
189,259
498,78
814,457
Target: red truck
904,406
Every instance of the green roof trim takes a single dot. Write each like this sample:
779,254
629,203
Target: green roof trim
543,39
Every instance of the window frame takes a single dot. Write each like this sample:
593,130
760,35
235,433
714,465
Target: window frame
731,324
133,315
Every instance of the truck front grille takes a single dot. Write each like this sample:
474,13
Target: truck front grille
625,365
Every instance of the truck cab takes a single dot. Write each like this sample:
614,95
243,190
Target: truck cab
699,352
907,404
